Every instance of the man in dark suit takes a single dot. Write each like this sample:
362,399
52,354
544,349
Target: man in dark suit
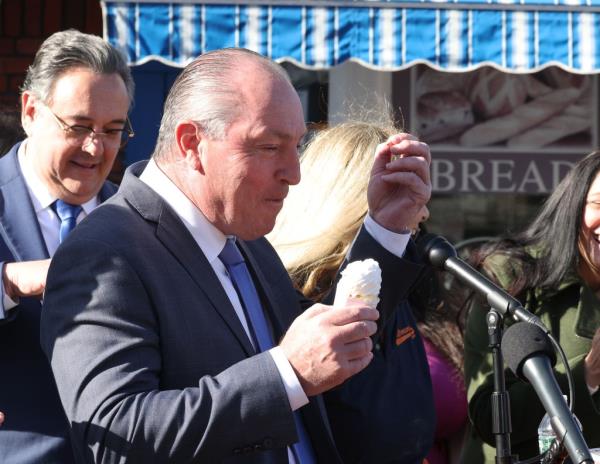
74,111
159,352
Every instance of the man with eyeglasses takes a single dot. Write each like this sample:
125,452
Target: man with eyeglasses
75,101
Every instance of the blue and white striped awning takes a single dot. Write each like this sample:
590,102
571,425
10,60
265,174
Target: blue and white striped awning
455,35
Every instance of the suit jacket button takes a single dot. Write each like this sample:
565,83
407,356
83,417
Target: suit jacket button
268,443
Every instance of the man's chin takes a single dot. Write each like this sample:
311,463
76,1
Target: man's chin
257,232
77,193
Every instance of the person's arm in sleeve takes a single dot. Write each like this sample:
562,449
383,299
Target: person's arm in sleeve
399,187
592,366
359,421
20,279
102,339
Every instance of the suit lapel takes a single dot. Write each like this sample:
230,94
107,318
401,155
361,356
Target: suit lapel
280,313
174,236
18,222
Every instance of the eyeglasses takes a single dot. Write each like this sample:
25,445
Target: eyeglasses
77,134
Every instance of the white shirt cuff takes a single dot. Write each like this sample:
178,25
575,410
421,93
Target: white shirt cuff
294,390
7,302
393,242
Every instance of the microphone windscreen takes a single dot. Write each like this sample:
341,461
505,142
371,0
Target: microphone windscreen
520,342
435,249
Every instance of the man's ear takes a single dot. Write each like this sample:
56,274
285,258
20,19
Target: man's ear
189,139
29,110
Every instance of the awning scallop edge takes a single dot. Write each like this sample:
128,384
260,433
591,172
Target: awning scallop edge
456,36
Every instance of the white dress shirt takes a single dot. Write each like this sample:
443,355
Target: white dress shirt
211,241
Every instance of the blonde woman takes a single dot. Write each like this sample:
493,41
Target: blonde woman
313,232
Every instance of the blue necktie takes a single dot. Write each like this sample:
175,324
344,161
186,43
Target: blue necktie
240,277
67,213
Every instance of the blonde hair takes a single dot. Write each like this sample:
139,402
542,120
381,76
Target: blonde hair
323,213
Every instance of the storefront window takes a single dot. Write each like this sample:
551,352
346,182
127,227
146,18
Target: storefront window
459,217
500,142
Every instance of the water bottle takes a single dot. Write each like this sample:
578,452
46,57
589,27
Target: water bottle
545,434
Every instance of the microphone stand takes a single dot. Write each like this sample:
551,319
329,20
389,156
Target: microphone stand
501,425
442,255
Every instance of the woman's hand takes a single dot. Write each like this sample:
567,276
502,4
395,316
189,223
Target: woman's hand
592,363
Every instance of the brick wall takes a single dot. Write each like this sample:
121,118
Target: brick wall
24,24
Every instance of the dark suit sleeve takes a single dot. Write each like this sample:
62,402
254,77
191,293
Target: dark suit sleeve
371,409
103,340
399,275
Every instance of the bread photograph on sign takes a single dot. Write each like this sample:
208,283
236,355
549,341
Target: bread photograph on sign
491,108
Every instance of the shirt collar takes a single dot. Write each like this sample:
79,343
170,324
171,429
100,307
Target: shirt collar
38,192
210,239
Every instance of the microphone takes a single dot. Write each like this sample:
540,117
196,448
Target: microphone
442,255
529,354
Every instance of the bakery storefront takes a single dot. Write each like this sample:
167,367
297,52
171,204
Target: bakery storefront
506,93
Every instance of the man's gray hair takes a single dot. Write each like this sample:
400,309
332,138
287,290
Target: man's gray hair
66,50
205,94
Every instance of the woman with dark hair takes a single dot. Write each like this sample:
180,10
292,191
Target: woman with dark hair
553,268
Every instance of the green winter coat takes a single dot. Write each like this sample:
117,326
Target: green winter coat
572,313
